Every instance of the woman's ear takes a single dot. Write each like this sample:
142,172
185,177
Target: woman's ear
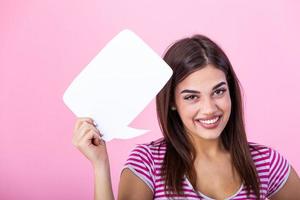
172,106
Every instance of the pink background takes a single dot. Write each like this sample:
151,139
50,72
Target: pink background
45,44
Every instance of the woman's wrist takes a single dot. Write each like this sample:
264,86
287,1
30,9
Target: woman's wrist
103,185
100,165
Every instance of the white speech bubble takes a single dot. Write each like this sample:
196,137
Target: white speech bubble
117,85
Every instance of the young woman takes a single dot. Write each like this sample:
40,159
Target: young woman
204,153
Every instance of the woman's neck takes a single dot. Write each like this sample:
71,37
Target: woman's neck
209,149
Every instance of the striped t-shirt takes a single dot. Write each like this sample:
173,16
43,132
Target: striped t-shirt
145,161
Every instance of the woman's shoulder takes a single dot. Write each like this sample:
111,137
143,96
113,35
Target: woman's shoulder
144,159
265,154
154,147
158,144
273,168
256,148
260,151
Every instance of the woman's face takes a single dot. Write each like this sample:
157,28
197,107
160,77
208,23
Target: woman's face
203,102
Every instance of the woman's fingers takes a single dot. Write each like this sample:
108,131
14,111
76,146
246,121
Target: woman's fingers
91,137
86,127
87,139
83,127
79,121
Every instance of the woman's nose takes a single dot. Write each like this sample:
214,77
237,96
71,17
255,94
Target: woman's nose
208,106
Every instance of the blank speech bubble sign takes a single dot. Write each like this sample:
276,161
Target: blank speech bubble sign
119,82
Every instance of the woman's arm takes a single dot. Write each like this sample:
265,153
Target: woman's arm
102,179
133,188
88,140
290,190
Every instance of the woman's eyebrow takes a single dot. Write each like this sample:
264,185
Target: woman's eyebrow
190,91
197,92
219,85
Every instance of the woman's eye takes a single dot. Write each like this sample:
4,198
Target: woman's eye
191,97
219,92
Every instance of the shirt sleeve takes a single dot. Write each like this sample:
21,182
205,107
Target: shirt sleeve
278,173
140,162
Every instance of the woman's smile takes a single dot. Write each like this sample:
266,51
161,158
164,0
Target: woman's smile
209,123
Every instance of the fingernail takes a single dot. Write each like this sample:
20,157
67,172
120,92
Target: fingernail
95,123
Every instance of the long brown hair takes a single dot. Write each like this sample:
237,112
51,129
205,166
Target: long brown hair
184,57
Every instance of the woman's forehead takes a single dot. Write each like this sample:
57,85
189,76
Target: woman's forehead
203,78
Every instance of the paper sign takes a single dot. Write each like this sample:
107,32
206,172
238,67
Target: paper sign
117,85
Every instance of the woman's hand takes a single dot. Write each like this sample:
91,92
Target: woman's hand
87,139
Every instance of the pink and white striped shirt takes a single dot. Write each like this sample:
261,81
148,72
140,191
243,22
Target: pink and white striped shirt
145,161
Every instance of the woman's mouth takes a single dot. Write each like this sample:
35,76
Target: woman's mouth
209,123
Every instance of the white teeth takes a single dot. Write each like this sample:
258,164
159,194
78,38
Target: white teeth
211,121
